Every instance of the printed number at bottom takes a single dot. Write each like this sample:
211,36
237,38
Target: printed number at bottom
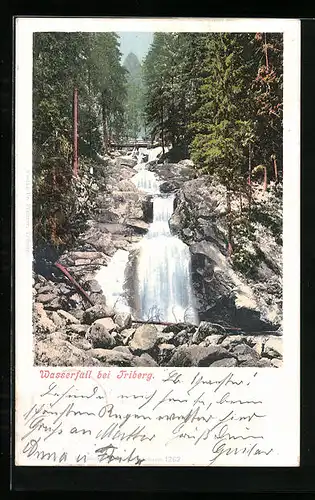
172,459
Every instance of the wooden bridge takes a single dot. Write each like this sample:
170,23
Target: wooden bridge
135,144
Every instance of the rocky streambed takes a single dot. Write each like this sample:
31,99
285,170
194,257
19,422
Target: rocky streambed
240,318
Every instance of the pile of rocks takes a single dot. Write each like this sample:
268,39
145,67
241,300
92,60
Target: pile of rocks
68,333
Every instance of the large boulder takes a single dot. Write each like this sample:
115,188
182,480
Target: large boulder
56,351
123,320
42,323
173,172
223,293
99,336
107,323
96,312
144,339
246,355
111,357
195,355
126,161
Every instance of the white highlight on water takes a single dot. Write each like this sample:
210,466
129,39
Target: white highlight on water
155,152
146,181
112,278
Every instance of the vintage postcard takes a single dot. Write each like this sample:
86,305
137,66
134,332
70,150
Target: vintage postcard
157,171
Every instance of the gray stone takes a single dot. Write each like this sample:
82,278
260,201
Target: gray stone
44,289
46,297
212,340
108,323
94,286
144,339
139,225
187,162
195,355
145,360
100,337
69,319
123,320
58,352
182,337
81,344
42,323
76,300
165,337
79,329
122,348
169,186
273,348
95,312
231,341
59,322
57,303
98,298
82,262
111,357
165,352
77,313
222,290
225,362
204,330
127,335
245,354
126,160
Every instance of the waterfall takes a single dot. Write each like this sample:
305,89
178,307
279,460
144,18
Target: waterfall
163,287
112,278
146,181
154,153
163,271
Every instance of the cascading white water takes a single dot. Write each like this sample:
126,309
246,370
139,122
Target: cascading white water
163,266
146,181
163,271
112,278
153,153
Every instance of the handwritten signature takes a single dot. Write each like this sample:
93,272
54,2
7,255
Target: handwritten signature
219,416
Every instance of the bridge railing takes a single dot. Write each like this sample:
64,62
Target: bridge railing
148,145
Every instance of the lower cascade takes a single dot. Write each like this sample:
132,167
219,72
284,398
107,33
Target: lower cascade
164,271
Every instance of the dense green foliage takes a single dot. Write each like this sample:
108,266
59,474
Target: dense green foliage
89,62
220,94
218,98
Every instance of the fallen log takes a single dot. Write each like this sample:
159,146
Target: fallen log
165,323
73,281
